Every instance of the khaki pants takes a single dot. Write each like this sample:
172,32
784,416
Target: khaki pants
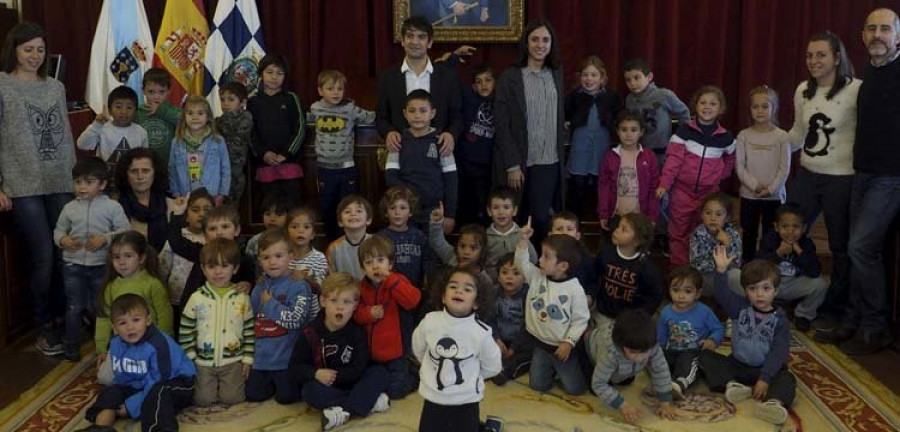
223,384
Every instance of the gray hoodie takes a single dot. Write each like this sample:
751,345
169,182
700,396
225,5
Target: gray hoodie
335,131
658,106
614,367
83,218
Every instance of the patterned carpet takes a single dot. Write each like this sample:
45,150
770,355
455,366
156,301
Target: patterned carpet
833,394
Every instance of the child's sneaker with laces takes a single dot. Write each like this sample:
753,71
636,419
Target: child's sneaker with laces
736,392
334,417
677,391
771,411
382,404
49,346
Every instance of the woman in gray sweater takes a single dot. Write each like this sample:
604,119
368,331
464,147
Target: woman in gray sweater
36,159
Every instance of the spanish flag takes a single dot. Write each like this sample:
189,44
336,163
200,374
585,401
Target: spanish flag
181,46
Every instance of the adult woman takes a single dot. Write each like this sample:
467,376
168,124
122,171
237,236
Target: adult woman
36,159
141,179
825,127
529,126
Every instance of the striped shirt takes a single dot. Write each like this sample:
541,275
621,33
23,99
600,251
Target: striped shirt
541,113
315,262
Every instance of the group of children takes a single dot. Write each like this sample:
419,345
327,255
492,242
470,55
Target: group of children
404,309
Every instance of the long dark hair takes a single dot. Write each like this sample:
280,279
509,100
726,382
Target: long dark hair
552,61
21,33
160,182
138,242
843,70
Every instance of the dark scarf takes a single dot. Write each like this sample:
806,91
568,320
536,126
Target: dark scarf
154,216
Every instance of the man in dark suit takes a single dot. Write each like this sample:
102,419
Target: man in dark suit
418,72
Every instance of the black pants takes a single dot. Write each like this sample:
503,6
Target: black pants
752,213
334,185
541,185
520,362
450,418
719,369
683,365
159,408
474,187
263,384
580,188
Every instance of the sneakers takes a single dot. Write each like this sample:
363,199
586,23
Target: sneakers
677,391
49,345
334,417
771,411
382,404
736,392
802,324
836,336
866,342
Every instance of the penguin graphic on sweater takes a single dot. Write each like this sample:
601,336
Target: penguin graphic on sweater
818,139
447,350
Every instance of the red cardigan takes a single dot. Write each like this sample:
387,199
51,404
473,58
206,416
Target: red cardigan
648,181
385,342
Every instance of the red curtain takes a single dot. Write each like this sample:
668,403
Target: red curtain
736,44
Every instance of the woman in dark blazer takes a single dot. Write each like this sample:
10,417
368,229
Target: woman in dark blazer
528,153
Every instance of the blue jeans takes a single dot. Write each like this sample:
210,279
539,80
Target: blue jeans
82,284
34,218
334,185
874,204
544,365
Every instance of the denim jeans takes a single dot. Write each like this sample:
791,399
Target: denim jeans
874,204
34,218
82,284
544,365
334,185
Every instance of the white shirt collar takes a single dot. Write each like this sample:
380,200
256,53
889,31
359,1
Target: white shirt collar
405,67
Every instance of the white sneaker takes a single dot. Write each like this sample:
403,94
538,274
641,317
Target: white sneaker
677,392
771,411
382,404
736,392
334,417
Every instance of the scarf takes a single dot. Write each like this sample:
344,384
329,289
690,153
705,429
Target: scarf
154,216
193,143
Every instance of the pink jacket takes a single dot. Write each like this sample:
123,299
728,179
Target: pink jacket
697,161
648,181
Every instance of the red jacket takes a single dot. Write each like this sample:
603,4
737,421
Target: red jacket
697,161
648,181
385,342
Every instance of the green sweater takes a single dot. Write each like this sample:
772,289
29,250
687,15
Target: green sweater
144,285
160,128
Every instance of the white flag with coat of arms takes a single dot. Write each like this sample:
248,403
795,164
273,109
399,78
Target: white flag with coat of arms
121,52
233,50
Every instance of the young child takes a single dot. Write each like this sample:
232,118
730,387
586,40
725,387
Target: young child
175,269
798,265
278,130
331,359
419,163
763,164
383,294
716,229
633,349
469,250
111,139
503,232
657,106
354,215
457,353
685,327
282,305
700,156
275,215
335,118
398,204
590,111
473,151
131,270
556,314
157,115
152,377
301,229
515,344
236,126
83,232
199,156
216,328
567,223
760,342
629,175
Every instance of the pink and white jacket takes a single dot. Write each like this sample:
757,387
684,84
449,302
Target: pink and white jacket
697,161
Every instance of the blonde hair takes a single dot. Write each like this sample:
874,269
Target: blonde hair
338,283
773,100
331,75
210,120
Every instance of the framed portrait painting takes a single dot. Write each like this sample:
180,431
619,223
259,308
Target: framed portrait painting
465,20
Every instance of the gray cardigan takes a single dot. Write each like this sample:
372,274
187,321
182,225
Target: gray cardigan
37,151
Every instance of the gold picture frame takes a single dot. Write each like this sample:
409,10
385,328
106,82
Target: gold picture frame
504,23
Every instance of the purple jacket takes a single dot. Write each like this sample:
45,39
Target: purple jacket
648,181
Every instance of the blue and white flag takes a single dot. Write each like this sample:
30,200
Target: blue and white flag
121,52
234,49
